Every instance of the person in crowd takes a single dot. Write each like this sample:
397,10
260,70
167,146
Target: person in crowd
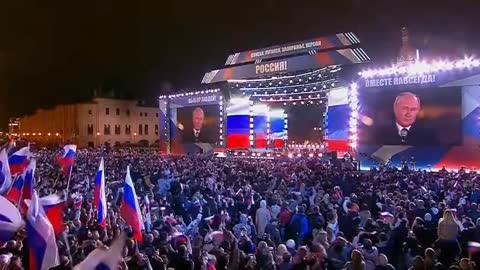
370,254
357,262
298,226
449,229
263,217
383,263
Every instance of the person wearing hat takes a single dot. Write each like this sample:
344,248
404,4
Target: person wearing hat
291,247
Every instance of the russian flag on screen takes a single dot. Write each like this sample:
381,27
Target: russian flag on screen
5,175
43,251
99,199
18,161
29,182
10,220
130,209
66,157
15,193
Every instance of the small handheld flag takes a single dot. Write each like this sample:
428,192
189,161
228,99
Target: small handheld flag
99,199
130,209
66,157
41,240
53,205
18,161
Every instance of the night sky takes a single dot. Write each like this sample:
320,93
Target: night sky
59,51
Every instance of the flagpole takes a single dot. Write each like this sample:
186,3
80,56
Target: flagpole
65,237
56,180
68,181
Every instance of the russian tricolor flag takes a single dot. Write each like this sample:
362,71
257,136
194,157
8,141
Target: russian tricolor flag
29,182
130,209
99,199
148,215
10,220
473,247
43,251
102,258
5,175
12,146
66,157
18,161
53,205
15,193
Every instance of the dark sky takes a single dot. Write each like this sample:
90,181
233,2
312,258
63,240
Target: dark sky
59,51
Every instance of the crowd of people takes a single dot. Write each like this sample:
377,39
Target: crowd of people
238,213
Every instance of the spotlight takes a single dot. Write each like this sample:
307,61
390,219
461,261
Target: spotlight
290,155
310,155
299,155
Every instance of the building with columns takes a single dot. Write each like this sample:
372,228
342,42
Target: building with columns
102,120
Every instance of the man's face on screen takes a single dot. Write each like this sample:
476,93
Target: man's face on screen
198,117
406,110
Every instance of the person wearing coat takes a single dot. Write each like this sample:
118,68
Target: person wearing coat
262,218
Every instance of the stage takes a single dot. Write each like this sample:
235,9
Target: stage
336,103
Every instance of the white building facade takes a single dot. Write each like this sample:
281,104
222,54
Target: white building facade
104,120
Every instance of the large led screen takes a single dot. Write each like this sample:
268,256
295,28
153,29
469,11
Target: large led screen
417,117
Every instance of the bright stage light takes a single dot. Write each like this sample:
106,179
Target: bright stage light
310,155
299,155
320,154
243,154
290,155
423,67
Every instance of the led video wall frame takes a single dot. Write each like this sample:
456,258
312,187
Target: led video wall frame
183,100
